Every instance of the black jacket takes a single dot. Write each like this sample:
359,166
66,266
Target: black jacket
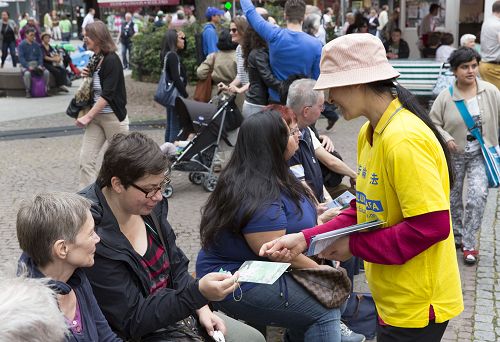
176,73
120,282
260,77
113,84
404,49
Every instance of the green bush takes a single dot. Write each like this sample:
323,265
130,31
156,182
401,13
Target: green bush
145,56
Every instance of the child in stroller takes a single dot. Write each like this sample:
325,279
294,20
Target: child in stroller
208,124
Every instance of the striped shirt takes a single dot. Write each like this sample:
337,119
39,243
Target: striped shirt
156,263
96,84
240,68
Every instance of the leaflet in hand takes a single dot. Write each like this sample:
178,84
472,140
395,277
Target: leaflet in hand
341,201
321,241
262,272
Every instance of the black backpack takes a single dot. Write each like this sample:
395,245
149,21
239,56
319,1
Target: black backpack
198,41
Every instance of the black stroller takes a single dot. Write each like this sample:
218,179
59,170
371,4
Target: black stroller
210,122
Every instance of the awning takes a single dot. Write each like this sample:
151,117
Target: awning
135,3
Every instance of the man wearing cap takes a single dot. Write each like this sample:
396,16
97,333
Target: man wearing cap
159,22
209,35
489,68
291,51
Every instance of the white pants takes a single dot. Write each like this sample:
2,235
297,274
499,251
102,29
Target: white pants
97,132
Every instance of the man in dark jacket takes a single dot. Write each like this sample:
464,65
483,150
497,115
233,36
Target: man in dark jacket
127,31
396,47
140,277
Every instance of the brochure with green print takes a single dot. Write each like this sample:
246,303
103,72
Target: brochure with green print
262,272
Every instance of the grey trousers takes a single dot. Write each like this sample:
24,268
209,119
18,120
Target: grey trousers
27,79
466,224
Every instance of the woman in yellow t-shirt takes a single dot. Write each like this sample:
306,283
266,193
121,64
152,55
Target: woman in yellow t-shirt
404,181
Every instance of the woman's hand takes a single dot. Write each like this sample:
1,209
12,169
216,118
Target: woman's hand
84,120
328,215
338,250
285,248
210,321
222,87
216,286
85,72
452,146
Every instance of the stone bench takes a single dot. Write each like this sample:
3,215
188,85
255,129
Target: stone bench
11,83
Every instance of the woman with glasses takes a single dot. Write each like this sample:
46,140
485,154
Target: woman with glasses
108,114
140,277
258,199
173,42
57,236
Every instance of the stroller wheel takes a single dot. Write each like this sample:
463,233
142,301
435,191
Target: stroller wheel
196,177
210,183
169,190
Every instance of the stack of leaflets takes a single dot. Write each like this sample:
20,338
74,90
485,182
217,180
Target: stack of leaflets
321,241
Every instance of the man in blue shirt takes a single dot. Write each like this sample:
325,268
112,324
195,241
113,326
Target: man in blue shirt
31,60
209,35
291,51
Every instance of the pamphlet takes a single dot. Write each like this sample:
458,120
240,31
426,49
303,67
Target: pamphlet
341,201
262,272
321,241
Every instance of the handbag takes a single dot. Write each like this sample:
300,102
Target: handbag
330,286
203,90
166,92
491,154
445,79
360,314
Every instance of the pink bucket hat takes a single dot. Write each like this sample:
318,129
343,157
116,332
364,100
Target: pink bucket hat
356,58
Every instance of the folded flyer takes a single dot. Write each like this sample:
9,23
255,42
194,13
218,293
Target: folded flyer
321,241
262,272
341,201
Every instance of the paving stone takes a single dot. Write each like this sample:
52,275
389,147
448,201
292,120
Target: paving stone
485,335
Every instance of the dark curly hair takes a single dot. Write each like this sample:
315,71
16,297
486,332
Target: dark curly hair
251,40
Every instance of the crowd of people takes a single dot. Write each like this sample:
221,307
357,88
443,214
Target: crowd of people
112,266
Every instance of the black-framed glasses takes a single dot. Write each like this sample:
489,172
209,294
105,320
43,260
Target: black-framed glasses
154,191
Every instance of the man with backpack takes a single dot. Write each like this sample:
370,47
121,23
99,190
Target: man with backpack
209,35
127,31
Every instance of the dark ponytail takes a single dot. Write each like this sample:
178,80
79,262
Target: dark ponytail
410,102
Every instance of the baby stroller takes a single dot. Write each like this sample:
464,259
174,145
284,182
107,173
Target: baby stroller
210,122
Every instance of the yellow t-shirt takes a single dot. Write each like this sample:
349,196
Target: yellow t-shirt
404,173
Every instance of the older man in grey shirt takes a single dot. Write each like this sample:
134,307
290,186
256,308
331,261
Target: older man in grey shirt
490,47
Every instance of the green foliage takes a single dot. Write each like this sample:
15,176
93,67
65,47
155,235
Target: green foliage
277,12
145,56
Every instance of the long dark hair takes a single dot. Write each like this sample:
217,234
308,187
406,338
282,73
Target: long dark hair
169,43
225,42
410,102
257,174
251,40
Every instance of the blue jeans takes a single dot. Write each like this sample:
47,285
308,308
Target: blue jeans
6,46
126,47
173,126
304,317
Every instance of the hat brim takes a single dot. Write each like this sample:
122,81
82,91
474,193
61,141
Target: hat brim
355,76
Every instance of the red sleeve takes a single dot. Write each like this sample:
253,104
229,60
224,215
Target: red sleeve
397,244
346,218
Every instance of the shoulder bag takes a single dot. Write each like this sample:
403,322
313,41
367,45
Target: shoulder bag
491,154
330,286
445,79
166,92
203,90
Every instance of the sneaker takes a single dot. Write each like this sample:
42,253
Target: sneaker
63,89
470,256
347,335
28,94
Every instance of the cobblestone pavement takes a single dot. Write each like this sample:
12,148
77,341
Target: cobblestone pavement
30,166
